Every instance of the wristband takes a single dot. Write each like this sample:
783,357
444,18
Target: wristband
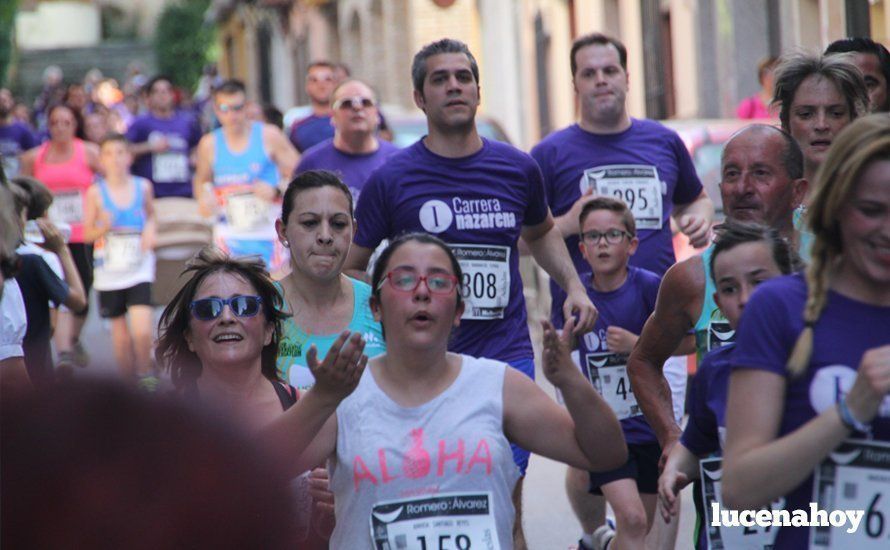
848,420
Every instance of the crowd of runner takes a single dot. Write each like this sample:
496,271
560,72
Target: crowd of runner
359,309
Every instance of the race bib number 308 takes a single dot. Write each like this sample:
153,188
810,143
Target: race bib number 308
486,280
451,521
637,185
856,476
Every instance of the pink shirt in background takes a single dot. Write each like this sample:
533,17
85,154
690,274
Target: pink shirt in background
752,107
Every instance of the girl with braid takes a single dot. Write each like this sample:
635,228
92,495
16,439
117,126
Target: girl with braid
811,370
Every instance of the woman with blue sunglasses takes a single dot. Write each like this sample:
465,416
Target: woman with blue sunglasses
219,338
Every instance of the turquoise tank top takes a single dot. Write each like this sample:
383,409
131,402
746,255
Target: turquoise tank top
246,167
130,217
295,342
712,330
805,236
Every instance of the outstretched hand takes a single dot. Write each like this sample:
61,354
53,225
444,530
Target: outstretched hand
340,371
557,354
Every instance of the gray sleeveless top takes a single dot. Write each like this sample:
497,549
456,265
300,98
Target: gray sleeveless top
421,470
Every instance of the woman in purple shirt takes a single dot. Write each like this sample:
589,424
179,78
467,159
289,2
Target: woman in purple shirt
812,362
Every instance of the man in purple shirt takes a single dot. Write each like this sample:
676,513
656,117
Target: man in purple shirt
162,141
355,150
479,196
315,128
15,137
637,160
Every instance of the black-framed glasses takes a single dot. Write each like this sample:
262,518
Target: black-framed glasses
356,102
612,236
208,309
405,280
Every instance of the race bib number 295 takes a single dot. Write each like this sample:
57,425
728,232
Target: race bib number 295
637,185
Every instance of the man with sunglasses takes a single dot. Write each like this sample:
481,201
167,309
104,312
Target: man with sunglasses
355,150
240,169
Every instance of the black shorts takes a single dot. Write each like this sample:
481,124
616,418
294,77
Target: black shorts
641,465
82,254
114,303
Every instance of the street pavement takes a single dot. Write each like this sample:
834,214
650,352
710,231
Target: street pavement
549,521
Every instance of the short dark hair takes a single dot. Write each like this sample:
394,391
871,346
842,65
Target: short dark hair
731,233
613,205
312,179
380,268
601,39
229,87
113,137
114,466
146,89
864,45
40,197
172,348
796,67
445,45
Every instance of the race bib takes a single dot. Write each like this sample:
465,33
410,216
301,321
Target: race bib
450,521
855,476
637,185
719,331
122,251
246,211
67,207
486,280
10,165
169,167
608,374
730,538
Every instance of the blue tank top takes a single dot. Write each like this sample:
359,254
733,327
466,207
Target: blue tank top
130,217
246,167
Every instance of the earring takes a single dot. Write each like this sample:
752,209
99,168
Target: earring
285,243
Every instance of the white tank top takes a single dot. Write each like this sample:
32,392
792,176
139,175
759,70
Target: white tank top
443,469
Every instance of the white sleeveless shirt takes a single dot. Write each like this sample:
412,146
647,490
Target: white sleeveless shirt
415,476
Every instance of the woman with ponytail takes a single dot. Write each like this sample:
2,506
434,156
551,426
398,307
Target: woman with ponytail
811,368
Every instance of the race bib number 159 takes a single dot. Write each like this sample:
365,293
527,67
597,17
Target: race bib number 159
449,521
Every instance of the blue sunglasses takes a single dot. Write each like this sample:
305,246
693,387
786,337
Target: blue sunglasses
207,309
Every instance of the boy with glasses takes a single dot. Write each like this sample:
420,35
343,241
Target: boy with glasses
625,296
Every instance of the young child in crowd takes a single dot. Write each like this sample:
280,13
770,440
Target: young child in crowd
625,297
745,255
119,217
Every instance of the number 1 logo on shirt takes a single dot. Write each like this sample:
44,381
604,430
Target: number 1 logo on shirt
435,216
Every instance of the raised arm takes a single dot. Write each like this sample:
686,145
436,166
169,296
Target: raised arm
679,294
306,433
53,241
587,436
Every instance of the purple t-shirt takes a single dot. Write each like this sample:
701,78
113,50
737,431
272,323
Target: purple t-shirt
353,169
478,205
169,172
627,307
770,325
15,139
310,131
645,164
706,427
